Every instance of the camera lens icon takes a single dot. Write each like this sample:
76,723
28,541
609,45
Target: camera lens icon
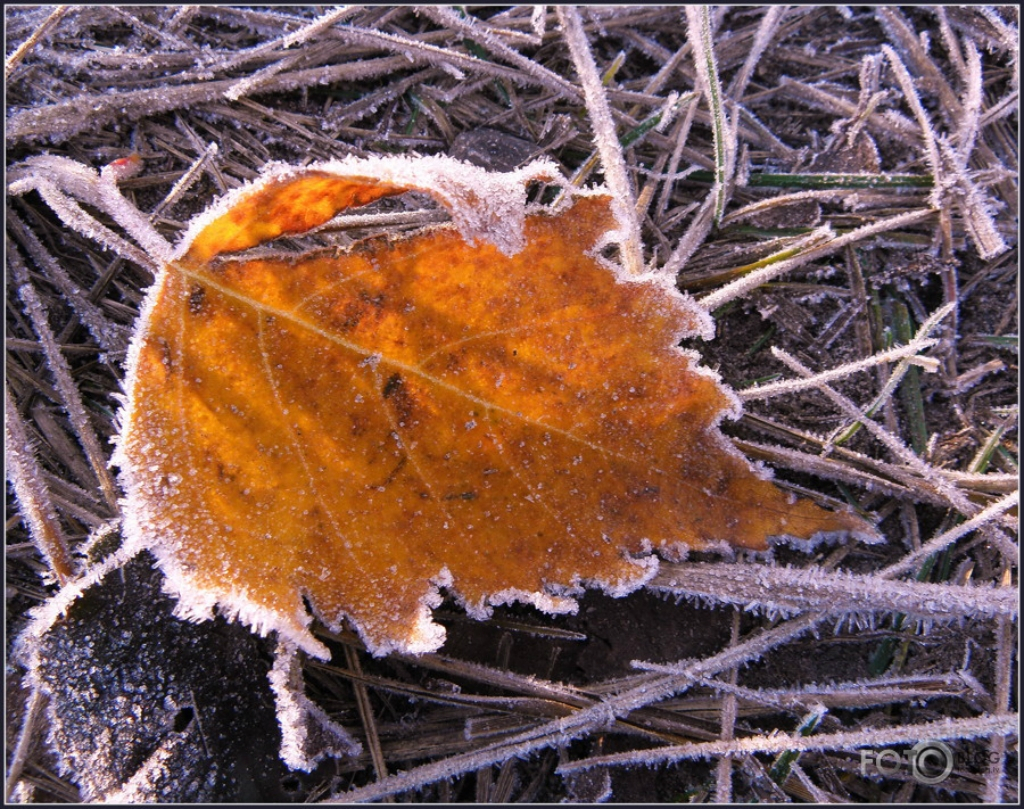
931,762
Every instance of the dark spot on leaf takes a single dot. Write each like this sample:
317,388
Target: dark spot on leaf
182,719
376,301
461,496
166,356
397,393
196,299
392,385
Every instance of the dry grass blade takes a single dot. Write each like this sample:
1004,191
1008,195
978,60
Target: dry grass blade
983,726
66,387
366,715
819,593
729,711
899,449
487,39
861,693
824,243
766,30
607,140
73,117
110,336
12,61
598,716
947,538
949,168
26,738
699,19
36,506
996,780
920,343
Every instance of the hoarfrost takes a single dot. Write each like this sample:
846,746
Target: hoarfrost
485,206
307,733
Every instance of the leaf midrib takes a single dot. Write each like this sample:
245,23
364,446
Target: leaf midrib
399,365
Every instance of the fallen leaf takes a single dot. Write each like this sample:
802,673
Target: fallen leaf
486,407
143,707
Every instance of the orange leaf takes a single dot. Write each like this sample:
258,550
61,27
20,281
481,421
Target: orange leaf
485,407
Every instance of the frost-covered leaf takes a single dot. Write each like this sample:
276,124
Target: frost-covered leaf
487,407
308,733
145,707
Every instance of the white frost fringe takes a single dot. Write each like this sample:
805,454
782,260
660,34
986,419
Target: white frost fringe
307,733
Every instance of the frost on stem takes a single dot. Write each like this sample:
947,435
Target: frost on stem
110,336
985,725
61,181
952,179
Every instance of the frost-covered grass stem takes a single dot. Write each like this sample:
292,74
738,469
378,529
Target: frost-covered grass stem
818,249
986,725
68,390
599,716
623,198
34,499
12,61
701,35
947,538
27,737
814,591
